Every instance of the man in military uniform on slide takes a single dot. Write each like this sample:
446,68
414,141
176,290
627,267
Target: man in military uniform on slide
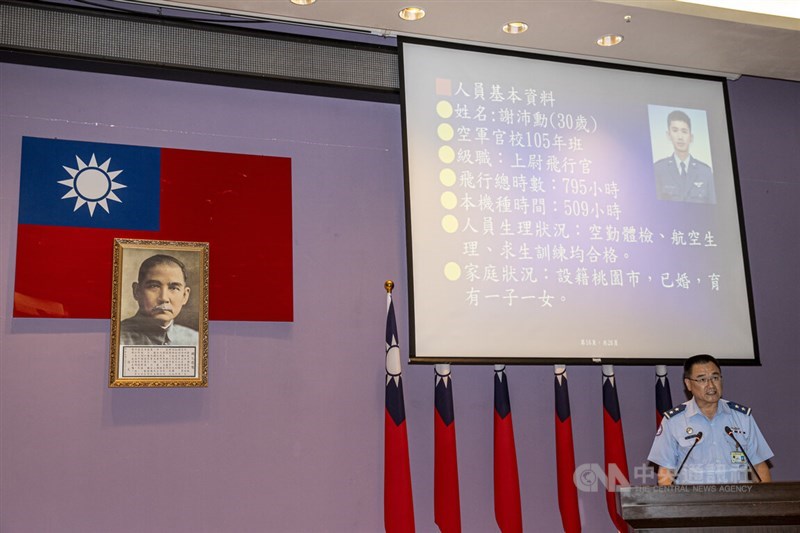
681,177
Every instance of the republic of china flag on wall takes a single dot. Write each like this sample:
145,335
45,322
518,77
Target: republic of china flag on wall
398,504
616,462
76,197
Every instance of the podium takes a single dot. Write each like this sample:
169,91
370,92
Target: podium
763,507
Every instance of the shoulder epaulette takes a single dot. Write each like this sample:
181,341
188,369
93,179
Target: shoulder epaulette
674,411
739,407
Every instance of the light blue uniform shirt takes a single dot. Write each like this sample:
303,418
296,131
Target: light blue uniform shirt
716,458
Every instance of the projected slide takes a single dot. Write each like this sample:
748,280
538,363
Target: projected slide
565,211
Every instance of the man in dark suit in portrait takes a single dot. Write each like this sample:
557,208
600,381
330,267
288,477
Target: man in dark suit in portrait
161,292
681,177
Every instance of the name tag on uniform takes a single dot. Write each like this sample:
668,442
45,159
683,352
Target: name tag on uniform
737,458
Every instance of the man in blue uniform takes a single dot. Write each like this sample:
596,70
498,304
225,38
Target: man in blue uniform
161,292
705,422
680,177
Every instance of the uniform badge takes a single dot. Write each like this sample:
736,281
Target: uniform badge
689,430
737,458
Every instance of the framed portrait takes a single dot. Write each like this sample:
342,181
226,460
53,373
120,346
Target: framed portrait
159,314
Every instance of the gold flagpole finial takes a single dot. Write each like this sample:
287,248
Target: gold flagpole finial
388,285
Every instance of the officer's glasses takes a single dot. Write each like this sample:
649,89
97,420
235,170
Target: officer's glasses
716,378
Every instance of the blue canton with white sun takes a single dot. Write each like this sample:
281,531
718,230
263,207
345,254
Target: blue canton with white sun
59,177
92,184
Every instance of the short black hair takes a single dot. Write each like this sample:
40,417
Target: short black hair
699,359
681,116
161,259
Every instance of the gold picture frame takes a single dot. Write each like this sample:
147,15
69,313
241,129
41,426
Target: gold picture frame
159,314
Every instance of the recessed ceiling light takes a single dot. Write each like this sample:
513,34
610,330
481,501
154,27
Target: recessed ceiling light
411,13
303,2
609,40
515,27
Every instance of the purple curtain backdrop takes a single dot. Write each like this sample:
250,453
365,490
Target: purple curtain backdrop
289,435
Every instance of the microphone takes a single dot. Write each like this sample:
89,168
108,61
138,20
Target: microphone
729,432
697,438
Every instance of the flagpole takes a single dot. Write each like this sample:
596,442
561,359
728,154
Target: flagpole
398,504
446,500
565,455
507,501
616,461
663,394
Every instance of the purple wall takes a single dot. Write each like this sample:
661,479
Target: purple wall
289,435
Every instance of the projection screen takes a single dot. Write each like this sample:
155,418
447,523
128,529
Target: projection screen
569,211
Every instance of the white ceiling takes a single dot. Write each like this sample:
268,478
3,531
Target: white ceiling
661,33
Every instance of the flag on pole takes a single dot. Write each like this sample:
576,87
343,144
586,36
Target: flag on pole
446,503
398,504
507,504
663,394
565,456
75,197
616,461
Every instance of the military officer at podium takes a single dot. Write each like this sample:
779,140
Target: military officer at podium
709,439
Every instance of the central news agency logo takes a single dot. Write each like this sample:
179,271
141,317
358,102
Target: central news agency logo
589,477
593,477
